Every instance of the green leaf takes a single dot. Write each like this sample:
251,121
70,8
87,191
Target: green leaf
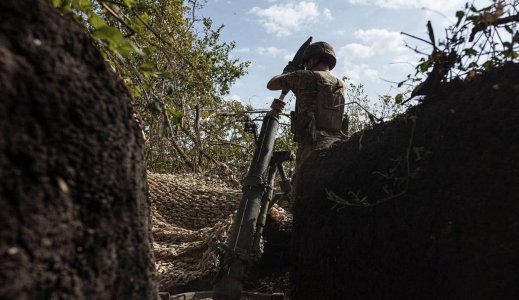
511,54
136,91
164,127
147,66
66,5
75,4
128,2
459,14
149,50
146,86
401,83
145,17
425,66
116,41
96,21
165,75
137,24
176,115
155,107
399,98
82,5
488,64
470,51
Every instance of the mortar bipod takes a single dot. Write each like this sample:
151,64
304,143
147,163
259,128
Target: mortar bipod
276,164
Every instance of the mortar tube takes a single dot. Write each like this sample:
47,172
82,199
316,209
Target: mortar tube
230,285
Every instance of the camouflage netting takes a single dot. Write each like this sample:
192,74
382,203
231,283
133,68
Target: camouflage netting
190,212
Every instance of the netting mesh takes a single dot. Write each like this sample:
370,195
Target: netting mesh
190,212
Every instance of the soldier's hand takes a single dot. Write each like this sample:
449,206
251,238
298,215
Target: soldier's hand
278,105
289,68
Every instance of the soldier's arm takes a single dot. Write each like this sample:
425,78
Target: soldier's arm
285,81
275,83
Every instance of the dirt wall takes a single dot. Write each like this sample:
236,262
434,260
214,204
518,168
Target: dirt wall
74,218
446,180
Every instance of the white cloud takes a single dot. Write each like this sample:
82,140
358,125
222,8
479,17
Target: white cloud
339,32
261,67
358,73
242,50
271,51
439,5
283,19
381,40
405,61
327,14
356,50
272,1
374,41
235,97
238,83
371,74
288,57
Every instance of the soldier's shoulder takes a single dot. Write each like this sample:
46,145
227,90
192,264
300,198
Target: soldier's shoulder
338,80
330,78
301,75
305,74
341,82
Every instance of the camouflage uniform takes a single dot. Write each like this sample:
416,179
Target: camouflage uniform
306,86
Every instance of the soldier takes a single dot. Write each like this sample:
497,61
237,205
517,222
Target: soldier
317,120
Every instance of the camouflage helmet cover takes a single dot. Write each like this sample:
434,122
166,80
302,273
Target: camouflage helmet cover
320,50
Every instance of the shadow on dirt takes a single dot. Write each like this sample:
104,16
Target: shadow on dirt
447,179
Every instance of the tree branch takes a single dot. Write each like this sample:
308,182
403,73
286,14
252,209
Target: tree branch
114,14
172,47
414,37
475,30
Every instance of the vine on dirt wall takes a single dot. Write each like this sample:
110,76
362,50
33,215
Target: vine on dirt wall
481,39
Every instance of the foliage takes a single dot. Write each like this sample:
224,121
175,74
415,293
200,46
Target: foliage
362,112
479,40
178,72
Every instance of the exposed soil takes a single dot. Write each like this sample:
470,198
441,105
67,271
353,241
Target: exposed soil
74,218
271,273
452,234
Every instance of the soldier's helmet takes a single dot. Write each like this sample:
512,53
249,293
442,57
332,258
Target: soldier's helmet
321,50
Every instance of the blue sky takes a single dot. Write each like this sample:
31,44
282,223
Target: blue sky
364,33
